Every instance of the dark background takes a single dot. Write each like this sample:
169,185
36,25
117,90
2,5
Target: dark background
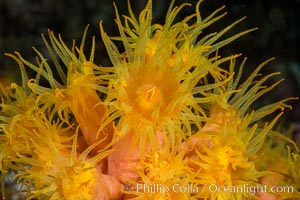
23,21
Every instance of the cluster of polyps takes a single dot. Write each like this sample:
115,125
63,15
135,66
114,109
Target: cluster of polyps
165,113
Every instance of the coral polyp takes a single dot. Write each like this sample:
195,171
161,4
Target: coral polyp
157,77
169,118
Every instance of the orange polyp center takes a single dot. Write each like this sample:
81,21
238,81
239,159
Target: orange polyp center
148,97
150,93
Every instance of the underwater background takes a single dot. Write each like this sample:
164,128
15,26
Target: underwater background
23,22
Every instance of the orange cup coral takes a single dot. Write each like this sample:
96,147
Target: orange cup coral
168,119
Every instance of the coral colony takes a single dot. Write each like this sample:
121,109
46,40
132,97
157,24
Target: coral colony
169,119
